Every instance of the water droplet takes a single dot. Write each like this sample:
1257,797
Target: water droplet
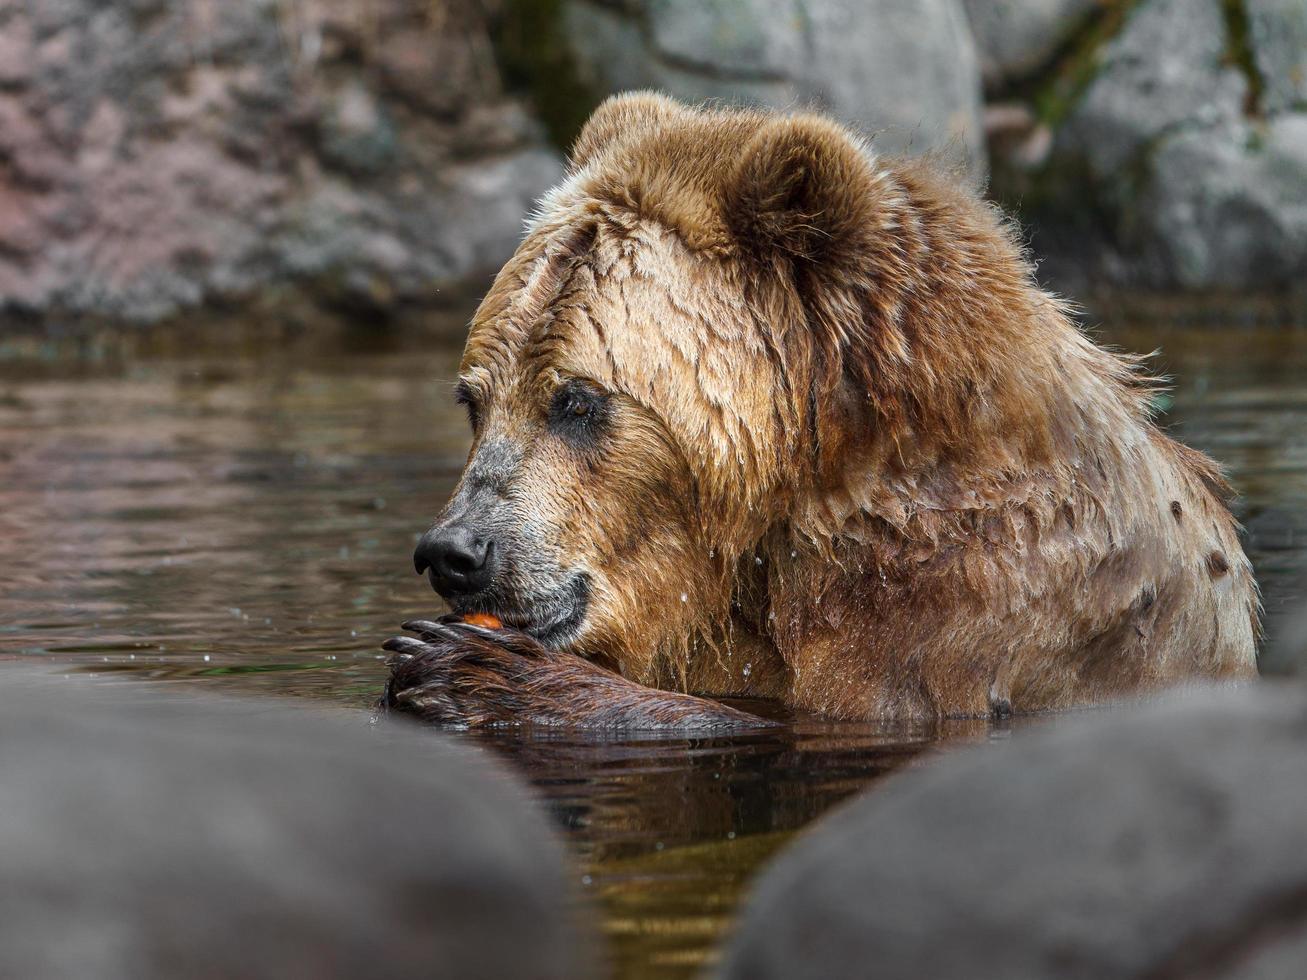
757,560
730,835
712,553
658,846
586,880
748,669
794,554
684,597
206,658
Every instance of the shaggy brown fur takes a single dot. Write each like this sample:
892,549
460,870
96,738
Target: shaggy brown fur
857,459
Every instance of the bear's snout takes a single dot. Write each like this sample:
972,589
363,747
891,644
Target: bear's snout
458,561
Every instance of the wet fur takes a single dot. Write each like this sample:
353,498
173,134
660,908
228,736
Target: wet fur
465,676
857,448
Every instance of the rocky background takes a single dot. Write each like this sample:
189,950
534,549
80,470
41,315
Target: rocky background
159,157
165,159
1164,147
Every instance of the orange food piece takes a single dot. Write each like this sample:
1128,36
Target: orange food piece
484,620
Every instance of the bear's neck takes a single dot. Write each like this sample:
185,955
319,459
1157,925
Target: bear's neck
1041,441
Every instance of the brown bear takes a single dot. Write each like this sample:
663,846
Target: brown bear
758,413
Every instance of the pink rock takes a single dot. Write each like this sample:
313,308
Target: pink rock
199,150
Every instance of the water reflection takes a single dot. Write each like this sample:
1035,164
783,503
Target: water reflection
187,519
243,519
668,831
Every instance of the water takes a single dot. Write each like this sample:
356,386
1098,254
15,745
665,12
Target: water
241,519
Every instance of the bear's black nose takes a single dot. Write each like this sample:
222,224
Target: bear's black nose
458,561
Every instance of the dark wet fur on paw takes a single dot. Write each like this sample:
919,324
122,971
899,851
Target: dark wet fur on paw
464,676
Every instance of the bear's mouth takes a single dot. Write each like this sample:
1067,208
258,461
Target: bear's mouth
553,621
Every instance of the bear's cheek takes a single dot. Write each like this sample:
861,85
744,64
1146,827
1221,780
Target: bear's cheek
632,539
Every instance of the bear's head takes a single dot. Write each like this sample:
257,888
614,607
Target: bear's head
675,381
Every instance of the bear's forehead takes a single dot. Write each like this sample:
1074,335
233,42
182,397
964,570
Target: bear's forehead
638,213
627,277
639,313
519,322
611,297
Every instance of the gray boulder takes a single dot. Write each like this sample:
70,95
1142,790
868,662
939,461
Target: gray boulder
159,157
1167,71
150,834
1015,38
904,70
1225,207
1165,840
1183,162
1277,31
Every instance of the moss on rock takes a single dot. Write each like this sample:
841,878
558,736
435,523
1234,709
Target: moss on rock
1239,52
537,62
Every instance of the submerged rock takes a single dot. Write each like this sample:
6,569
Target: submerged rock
1164,840
145,834
903,70
159,157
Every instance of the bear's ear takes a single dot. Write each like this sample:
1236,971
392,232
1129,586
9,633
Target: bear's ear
630,113
803,187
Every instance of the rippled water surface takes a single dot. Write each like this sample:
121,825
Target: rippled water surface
243,519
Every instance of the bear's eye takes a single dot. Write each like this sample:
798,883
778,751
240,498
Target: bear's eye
578,413
464,395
